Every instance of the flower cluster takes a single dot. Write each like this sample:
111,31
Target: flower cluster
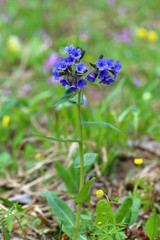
70,70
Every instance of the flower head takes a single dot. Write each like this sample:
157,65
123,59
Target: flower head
37,155
99,193
5,121
152,36
73,88
64,82
81,83
102,64
138,161
70,60
91,77
69,49
80,68
142,33
76,53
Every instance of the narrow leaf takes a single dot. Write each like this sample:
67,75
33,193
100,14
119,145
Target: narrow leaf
133,214
89,159
6,234
94,84
85,124
123,210
57,139
63,212
151,226
84,195
9,224
104,213
67,95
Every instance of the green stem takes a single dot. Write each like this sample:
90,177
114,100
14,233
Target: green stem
81,164
21,227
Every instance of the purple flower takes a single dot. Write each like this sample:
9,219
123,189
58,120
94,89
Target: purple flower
123,36
70,60
103,74
91,77
136,82
50,61
62,65
81,82
110,63
107,80
73,88
102,64
69,49
56,75
117,67
64,82
76,53
81,68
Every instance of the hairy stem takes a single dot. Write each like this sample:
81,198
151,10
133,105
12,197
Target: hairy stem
81,164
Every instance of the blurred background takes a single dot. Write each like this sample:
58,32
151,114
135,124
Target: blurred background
33,35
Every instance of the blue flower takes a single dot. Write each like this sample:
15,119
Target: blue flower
102,64
76,53
107,80
81,82
64,82
117,67
56,75
91,77
69,49
103,74
62,65
73,88
110,64
81,68
70,60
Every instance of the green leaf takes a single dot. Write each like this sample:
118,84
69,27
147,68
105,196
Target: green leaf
6,234
65,176
151,226
133,214
104,213
67,95
63,212
94,84
89,159
120,236
7,202
74,100
123,210
84,195
85,124
9,224
57,139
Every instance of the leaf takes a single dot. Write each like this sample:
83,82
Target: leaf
120,236
94,84
84,195
151,226
123,210
7,202
85,124
104,213
133,214
56,139
63,212
67,95
65,176
74,100
9,224
89,159
6,234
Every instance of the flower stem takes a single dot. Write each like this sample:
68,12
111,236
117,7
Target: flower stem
81,164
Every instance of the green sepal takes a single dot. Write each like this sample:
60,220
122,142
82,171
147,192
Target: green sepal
84,195
85,124
89,159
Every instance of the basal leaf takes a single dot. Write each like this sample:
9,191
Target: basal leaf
57,139
89,159
151,227
85,124
63,212
104,213
84,195
67,95
123,210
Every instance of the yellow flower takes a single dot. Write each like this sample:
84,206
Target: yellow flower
5,121
138,161
99,193
99,223
142,33
37,155
13,44
152,36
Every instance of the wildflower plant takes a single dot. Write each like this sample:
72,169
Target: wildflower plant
73,74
